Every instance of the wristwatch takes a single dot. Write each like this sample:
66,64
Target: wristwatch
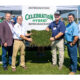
54,38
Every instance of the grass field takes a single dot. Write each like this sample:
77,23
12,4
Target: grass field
39,65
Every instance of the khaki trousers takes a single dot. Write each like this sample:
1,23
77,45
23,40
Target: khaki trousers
58,44
18,45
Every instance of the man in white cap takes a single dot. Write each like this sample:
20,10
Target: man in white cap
58,30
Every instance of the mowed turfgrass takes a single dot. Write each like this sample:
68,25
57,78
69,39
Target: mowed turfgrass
39,65
41,38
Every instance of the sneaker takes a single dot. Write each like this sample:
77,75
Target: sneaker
53,65
13,69
24,67
5,68
71,73
60,67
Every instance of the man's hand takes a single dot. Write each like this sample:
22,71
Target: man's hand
25,38
71,44
28,34
29,39
74,41
52,39
5,44
47,29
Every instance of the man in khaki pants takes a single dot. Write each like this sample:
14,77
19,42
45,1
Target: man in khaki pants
19,34
58,30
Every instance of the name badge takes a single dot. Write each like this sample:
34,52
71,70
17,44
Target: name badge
54,28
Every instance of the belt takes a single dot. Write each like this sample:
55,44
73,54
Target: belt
18,39
58,39
69,42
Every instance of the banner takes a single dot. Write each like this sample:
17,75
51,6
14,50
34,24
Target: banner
37,18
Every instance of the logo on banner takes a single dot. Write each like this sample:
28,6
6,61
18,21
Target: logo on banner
39,17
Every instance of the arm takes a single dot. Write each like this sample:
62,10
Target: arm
75,40
57,36
25,38
47,29
75,34
61,33
2,31
18,34
28,34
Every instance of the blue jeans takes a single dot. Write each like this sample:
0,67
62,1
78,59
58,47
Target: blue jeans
8,49
72,51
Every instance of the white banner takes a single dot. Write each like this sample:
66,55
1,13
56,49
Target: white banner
37,18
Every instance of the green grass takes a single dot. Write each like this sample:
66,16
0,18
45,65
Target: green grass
39,65
41,38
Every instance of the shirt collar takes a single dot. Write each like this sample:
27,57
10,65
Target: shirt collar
58,22
71,23
19,24
8,21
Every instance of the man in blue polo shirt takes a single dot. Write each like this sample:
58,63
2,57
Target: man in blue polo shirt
58,30
71,36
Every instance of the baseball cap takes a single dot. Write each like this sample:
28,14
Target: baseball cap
57,12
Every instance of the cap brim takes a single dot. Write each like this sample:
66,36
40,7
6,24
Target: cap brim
57,14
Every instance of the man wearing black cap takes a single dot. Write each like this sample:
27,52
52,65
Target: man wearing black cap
58,30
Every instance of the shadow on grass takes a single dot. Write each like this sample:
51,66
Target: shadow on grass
33,56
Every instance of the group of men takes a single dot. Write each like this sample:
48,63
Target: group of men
70,33
13,36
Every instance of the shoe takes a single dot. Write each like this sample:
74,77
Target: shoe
71,73
24,67
70,68
53,65
5,68
13,69
60,67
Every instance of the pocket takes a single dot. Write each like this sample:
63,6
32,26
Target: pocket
52,43
70,32
71,46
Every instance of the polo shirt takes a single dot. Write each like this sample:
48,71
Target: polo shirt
57,28
71,31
